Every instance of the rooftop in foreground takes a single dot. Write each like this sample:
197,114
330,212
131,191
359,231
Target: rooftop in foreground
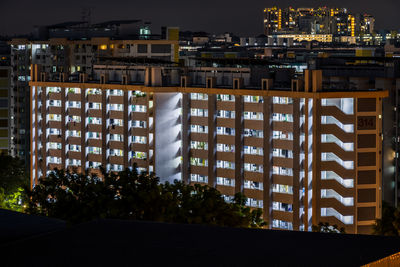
114,242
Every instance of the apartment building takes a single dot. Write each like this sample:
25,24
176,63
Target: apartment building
302,153
5,73
72,57
321,21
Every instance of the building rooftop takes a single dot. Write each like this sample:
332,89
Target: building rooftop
114,22
67,24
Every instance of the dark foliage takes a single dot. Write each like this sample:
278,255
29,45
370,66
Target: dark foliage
128,195
327,228
12,174
389,224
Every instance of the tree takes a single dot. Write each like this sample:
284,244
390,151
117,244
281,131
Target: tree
13,181
389,224
128,195
327,228
12,174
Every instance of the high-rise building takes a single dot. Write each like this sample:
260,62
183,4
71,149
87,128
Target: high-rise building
316,21
73,57
303,152
5,97
5,74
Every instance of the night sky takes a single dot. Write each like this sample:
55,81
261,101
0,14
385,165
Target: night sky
241,17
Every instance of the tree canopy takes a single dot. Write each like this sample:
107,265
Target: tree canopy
128,195
12,174
389,224
325,227
13,181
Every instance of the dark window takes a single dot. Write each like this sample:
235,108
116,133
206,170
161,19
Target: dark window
3,103
366,104
366,177
3,73
142,48
366,214
367,159
366,141
161,48
366,195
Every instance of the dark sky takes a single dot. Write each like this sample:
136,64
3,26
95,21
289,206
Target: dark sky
243,17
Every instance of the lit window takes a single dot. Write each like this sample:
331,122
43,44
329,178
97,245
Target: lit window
253,133
116,137
116,92
75,119
93,91
253,115
199,112
53,90
225,148
198,96
225,181
73,133
74,90
94,165
225,131
227,114
116,107
138,124
139,139
250,167
253,99
225,165
94,135
74,104
116,122
225,97
138,155
74,148
198,128
280,188
137,108
253,185
52,145
54,160
93,120
252,150
198,178
54,117
54,103
94,150
198,145
92,105
199,162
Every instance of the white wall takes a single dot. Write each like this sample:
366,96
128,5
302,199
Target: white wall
168,126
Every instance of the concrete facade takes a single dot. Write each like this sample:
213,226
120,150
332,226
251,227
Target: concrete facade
302,154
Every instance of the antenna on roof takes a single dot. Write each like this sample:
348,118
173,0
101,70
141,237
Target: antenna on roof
86,13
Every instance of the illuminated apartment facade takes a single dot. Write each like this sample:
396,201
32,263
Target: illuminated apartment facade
62,55
300,153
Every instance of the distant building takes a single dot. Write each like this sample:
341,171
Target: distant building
316,21
6,118
5,114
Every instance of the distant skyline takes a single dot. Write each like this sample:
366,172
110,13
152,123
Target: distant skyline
244,18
